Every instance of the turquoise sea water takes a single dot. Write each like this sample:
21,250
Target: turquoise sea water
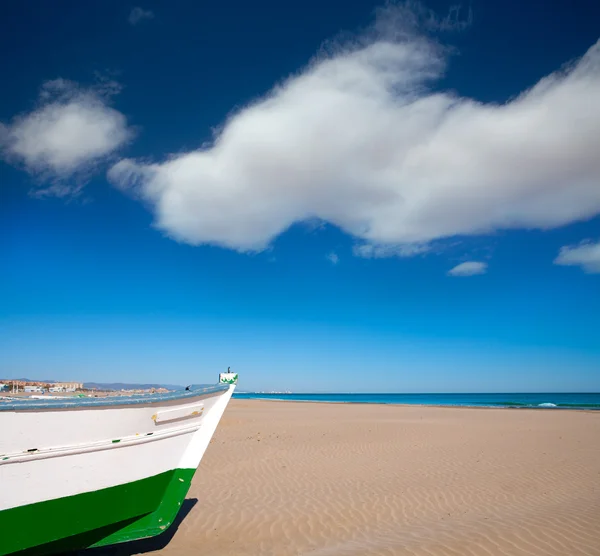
541,401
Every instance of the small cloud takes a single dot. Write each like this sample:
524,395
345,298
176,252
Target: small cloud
138,14
70,131
333,258
586,255
372,251
470,268
412,13
455,21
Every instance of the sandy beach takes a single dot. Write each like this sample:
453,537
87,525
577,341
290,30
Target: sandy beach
288,478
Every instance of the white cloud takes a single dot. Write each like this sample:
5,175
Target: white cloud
137,14
357,140
375,251
469,268
333,258
70,131
586,255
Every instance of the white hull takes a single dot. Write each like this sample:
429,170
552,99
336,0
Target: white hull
46,454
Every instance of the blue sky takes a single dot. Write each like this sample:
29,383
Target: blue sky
331,196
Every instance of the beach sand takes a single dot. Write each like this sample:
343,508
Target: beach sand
331,479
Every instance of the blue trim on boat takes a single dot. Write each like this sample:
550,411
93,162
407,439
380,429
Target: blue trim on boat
15,404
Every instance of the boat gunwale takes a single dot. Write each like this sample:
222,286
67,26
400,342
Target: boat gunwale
109,402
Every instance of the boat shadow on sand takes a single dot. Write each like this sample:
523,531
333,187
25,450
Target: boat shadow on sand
142,546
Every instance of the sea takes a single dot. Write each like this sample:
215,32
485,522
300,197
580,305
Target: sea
535,400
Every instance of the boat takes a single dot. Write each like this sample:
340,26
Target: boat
86,472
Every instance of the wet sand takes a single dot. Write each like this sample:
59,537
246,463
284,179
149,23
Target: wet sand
286,478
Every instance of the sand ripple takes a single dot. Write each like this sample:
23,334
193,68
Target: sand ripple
328,479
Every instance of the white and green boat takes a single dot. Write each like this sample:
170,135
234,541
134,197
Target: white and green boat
86,472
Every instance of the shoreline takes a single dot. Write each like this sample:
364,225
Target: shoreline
440,406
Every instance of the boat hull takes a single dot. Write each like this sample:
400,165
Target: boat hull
122,513
80,477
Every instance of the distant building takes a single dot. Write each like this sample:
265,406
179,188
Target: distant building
66,386
33,389
20,385
39,386
3,387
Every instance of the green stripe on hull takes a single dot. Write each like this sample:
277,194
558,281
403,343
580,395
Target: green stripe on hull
121,513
